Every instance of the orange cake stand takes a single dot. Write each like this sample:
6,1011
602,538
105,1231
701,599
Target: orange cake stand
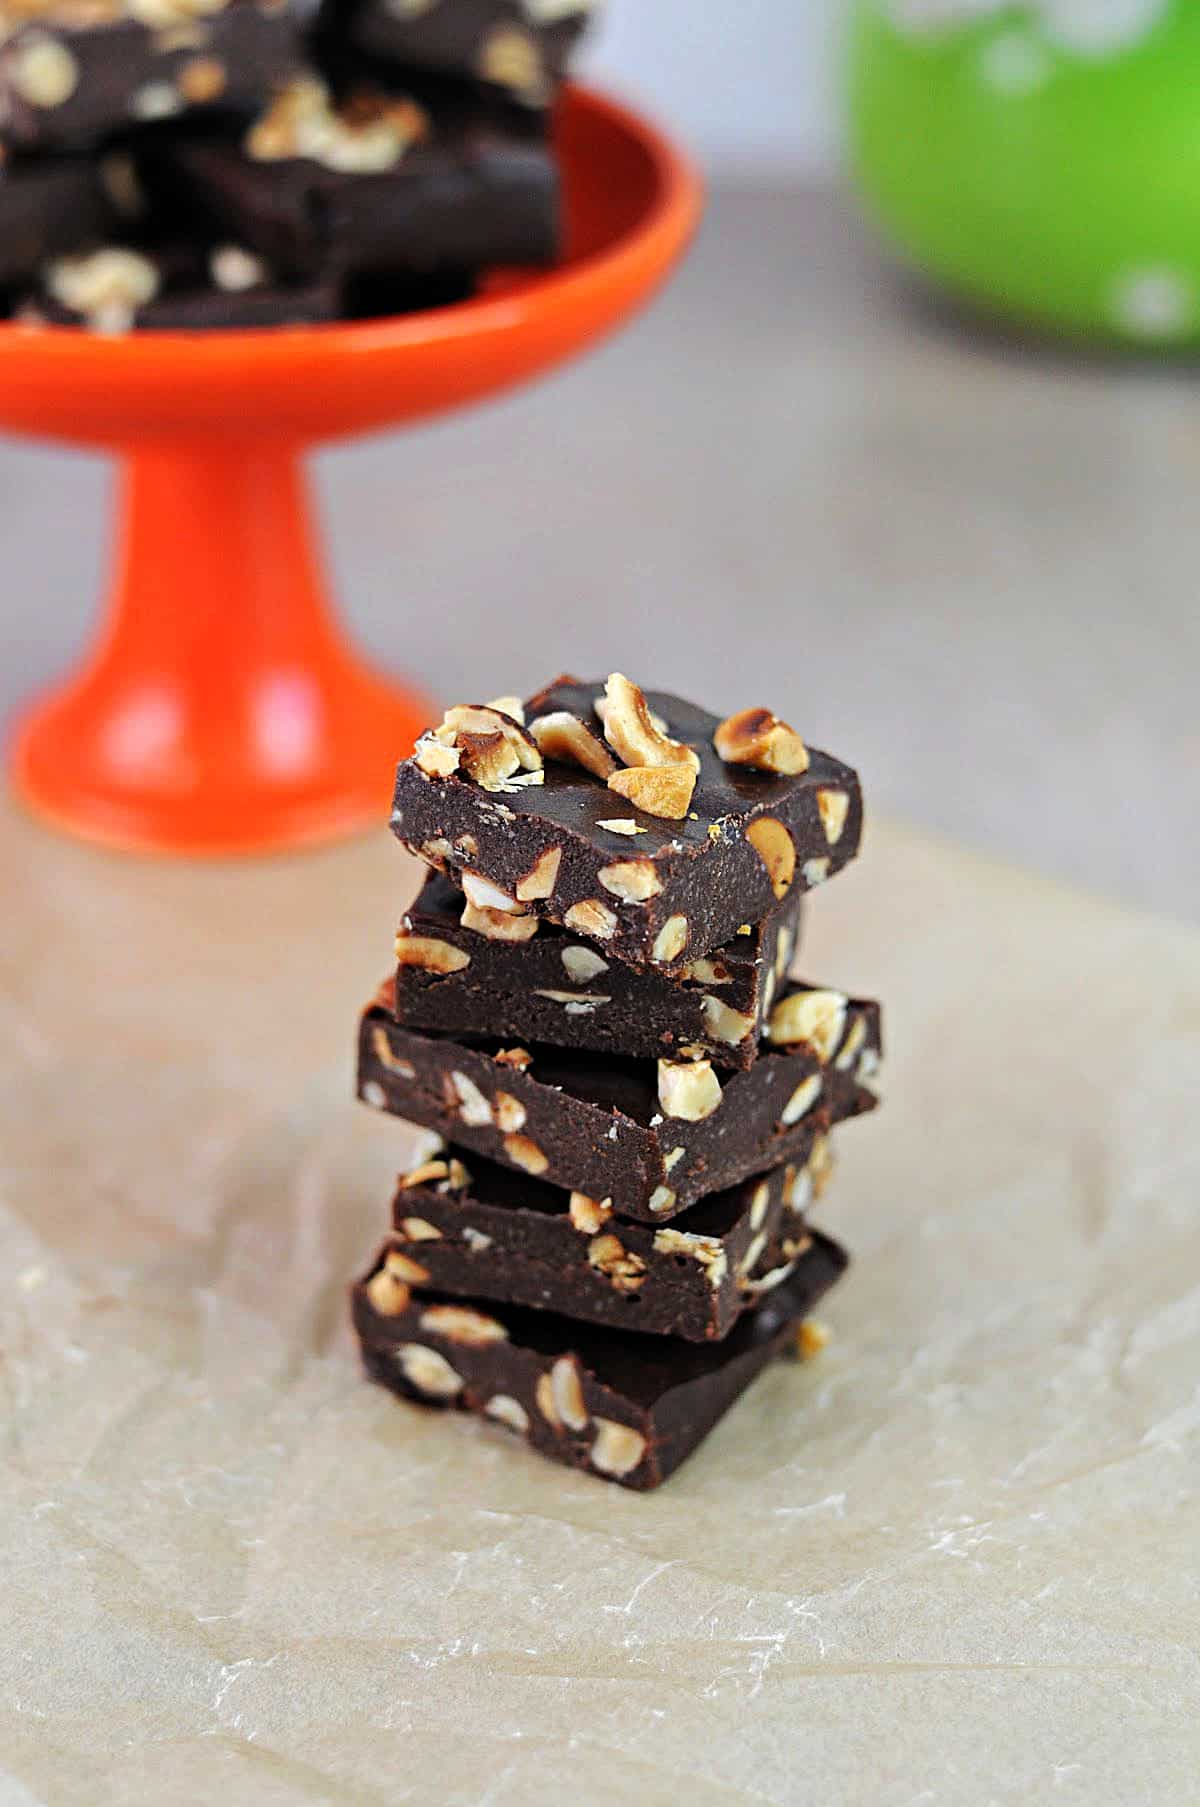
221,710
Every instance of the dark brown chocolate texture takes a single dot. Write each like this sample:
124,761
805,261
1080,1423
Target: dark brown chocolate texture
627,1407
651,1137
475,1228
47,209
652,890
593,1011
550,986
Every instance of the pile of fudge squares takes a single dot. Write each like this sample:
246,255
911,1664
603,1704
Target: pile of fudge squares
226,163
593,1010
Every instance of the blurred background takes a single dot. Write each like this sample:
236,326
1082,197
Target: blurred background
964,559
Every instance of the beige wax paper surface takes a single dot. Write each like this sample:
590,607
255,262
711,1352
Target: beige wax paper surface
954,1561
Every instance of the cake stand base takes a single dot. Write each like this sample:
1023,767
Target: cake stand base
221,711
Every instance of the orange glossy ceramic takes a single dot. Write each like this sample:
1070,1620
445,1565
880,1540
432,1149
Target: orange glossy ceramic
221,710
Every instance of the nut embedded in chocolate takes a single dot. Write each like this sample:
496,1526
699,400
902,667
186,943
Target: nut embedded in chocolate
627,1408
519,965
689,1090
601,1126
430,954
775,847
816,1018
498,925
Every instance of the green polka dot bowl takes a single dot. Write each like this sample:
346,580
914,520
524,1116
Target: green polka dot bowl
1041,160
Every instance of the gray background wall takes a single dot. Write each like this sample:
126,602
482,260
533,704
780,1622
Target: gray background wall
748,83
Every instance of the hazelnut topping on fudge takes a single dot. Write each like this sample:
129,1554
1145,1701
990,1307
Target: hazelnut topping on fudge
725,818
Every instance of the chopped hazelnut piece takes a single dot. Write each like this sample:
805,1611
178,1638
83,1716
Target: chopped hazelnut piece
419,1229
630,729
689,1090
777,851
383,1053
459,1324
539,881
430,954
403,1267
487,896
564,737
428,1371
511,58
671,940
633,881
485,719
44,72
544,1394
566,1390
507,1410
707,1250
814,1018
834,807
609,1256
663,790
474,1108
488,758
427,1174
802,1099
854,1041
388,1294
498,925
589,1215
525,1153
756,737
510,1112
811,1337
617,1448
724,1024
591,917
820,1165
582,964
435,759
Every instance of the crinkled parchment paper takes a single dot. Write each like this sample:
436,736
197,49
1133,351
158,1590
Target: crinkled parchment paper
957,1561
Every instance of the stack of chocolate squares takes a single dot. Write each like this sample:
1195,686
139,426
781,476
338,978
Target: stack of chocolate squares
593,1009
186,164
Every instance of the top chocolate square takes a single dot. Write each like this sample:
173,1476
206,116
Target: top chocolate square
522,828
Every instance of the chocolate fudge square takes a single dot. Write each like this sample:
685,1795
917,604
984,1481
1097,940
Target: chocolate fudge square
579,831
371,181
612,1403
648,1138
470,972
76,72
520,46
486,1231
